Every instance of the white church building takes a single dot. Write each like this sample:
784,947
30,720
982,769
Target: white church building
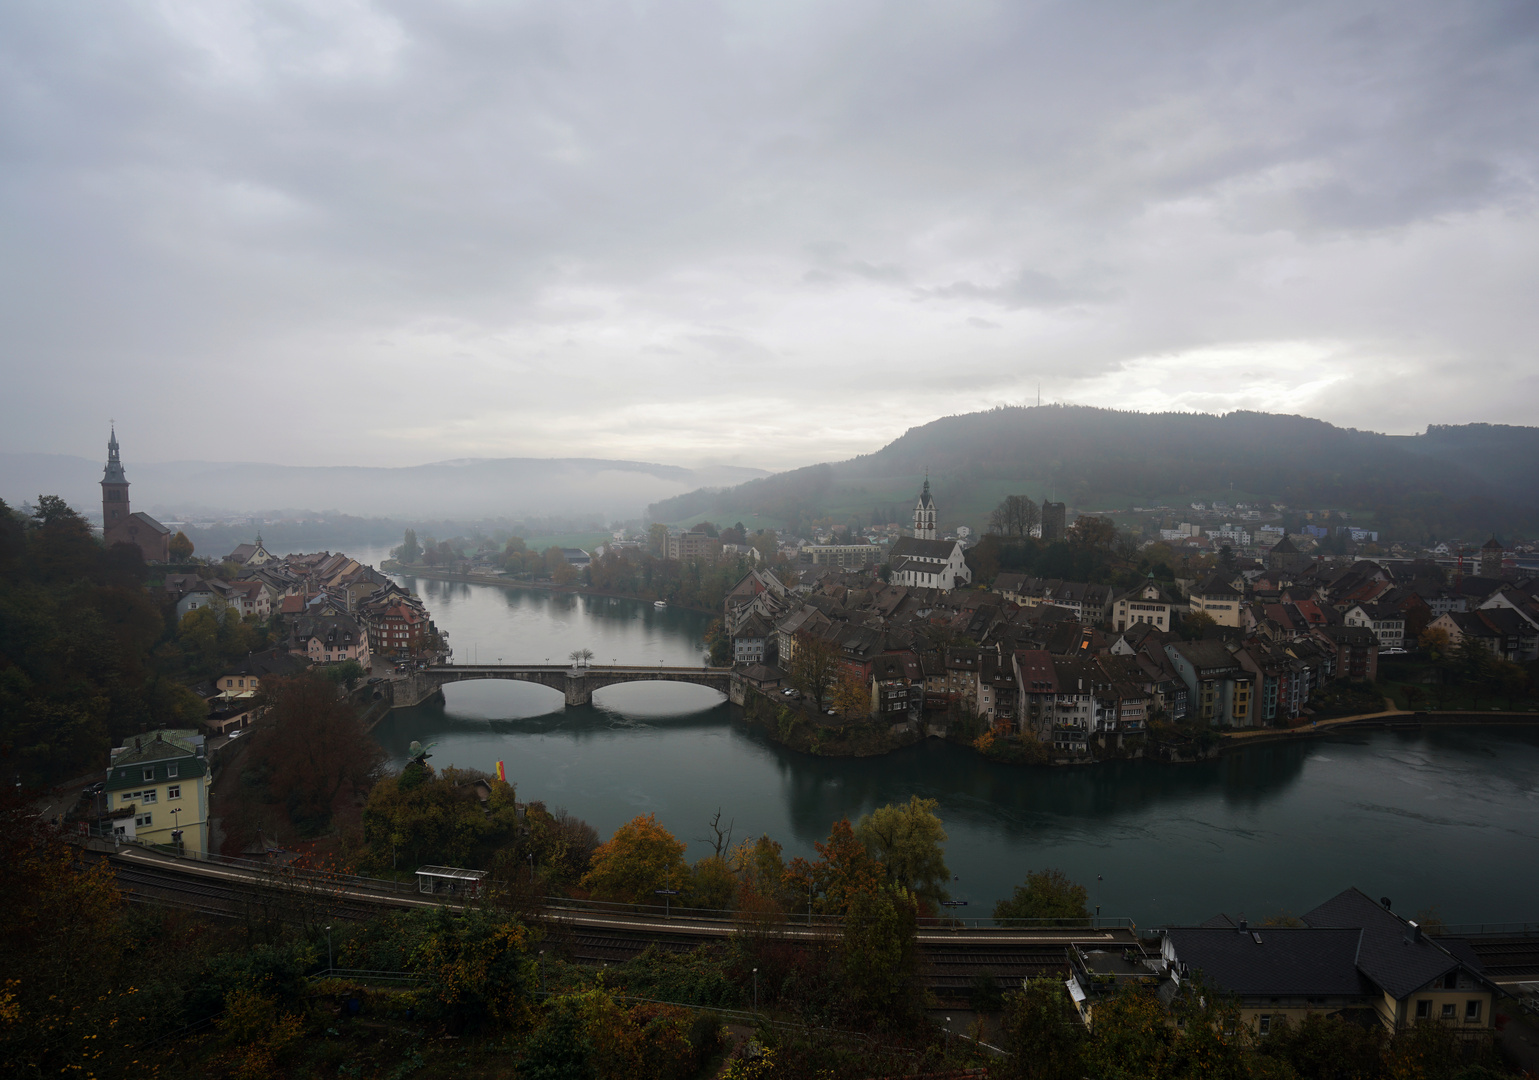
921,561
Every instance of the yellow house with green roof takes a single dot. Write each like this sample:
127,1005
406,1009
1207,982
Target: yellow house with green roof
163,777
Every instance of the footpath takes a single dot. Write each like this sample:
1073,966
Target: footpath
1390,716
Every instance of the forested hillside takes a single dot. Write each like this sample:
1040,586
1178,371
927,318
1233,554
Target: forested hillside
1471,479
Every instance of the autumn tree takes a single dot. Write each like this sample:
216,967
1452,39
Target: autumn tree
851,696
909,842
844,869
181,547
1015,517
1327,1047
1046,894
1043,1032
60,943
879,953
315,745
814,667
419,816
1092,533
1195,623
477,973
640,858
1131,1037
761,873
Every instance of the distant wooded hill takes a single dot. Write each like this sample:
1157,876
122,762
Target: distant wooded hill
1454,480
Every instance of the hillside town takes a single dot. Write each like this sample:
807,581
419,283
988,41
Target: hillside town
322,610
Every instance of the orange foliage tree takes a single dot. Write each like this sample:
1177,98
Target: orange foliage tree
640,858
845,869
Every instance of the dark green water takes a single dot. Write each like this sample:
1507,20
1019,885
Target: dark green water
1447,818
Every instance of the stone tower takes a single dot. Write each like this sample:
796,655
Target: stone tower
115,510
924,514
1491,555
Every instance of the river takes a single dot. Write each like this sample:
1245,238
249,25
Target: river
1445,819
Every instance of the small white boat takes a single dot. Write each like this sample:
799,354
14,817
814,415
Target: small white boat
660,603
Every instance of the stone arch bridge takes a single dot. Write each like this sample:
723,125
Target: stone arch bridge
576,683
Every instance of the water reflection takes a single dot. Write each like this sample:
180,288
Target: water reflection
1446,817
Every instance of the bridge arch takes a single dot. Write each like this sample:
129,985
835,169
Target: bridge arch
576,684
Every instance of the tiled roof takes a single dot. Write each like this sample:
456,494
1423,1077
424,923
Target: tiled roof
1273,960
1396,964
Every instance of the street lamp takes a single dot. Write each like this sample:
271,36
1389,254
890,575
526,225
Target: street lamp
328,950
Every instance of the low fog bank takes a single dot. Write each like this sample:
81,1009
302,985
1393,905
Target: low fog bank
469,489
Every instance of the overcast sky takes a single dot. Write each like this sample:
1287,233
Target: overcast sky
756,233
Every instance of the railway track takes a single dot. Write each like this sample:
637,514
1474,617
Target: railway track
1507,959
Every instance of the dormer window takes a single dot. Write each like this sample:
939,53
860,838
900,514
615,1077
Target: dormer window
149,773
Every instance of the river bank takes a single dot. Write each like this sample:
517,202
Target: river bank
804,731
391,566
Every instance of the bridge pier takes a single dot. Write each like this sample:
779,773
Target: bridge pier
577,691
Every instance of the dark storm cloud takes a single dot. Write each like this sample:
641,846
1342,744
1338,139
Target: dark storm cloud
639,230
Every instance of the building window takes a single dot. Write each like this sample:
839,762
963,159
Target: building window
1424,1009
1450,1011
171,771
148,797
143,820
1451,981
1264,1025
1472,1012
174,791
149,774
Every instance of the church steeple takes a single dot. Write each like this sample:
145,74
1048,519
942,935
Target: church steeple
924,512
114,471
114,489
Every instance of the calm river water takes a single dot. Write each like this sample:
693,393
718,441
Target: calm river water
1445,819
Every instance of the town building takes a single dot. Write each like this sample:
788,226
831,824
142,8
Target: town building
848,556
120,525
1055,524
1386,622
921,561
1218,599
1492,555
1352,958
252,555
1218,687
691,544
157,790
1145,604
330,639
1286,557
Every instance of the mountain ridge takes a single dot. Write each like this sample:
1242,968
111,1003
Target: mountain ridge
1470,477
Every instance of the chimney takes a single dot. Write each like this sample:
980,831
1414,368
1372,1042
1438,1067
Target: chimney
1244,926
1413,932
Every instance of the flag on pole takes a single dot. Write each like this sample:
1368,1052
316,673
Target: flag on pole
501,775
